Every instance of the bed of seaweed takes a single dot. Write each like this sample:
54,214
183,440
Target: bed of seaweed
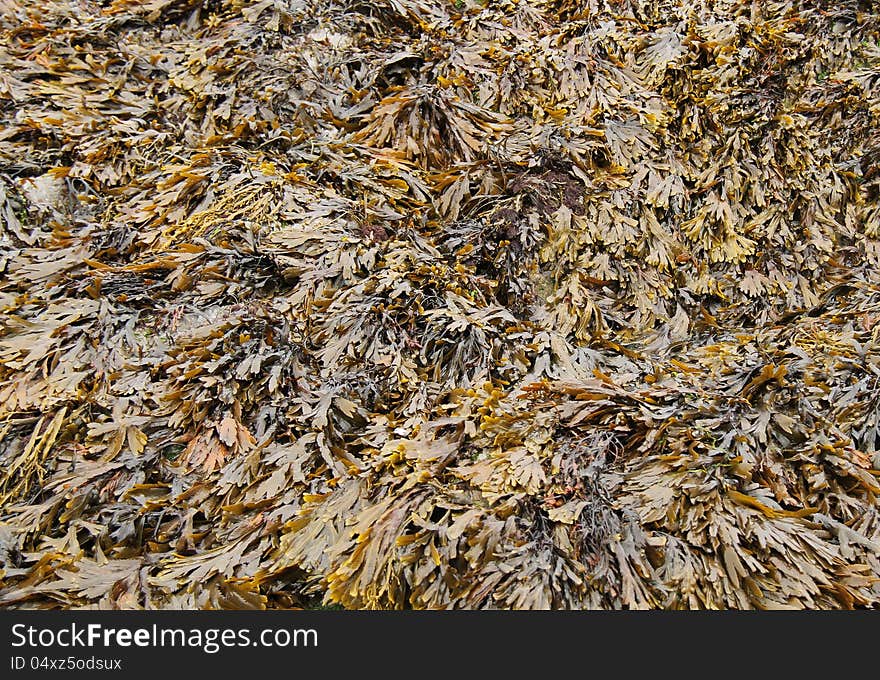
439,304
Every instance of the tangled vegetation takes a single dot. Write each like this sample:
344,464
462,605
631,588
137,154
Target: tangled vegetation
439,304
